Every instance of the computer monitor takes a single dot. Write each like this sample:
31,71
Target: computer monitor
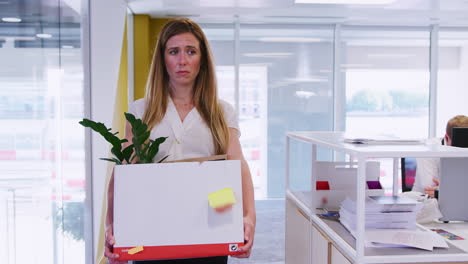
408,173
460,137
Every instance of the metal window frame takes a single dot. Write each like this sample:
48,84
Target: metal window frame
433,71
86,53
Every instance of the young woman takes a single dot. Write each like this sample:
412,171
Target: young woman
181,102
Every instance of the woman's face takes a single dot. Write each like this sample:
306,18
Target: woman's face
182,57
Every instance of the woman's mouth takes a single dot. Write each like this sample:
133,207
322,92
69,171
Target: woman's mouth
182,72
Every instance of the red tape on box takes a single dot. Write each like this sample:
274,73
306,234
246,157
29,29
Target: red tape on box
179,251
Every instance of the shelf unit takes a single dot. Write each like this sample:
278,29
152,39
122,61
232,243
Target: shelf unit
353,248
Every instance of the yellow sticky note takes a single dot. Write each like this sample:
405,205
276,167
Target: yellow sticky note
221,198
135,250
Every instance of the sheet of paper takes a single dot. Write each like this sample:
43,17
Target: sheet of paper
439,241
411,238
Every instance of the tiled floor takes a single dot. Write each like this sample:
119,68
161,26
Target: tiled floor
269,235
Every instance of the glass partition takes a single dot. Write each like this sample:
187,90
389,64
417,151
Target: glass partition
385,72
452,76
42,168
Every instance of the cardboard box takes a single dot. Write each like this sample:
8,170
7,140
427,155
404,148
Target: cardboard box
164,208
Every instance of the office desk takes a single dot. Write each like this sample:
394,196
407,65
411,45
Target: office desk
458,228
313,240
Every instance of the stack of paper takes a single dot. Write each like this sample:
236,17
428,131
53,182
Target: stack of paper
404,238
382,212
390,221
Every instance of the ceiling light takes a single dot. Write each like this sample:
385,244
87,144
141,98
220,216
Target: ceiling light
290,39
11,19
43,35
345,2
390,55
67,47
355,65
305,94
273,55
311,79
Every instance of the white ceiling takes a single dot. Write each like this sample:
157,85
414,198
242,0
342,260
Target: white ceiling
398,12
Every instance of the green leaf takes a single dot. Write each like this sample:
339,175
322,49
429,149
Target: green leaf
127,152
143,137
143,154
142,147
112,160
103,130
163,159
110,137
118,153
154,148
130,117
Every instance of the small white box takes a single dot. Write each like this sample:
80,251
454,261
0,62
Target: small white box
342,180
164,208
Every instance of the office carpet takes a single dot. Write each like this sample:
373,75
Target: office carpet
269,237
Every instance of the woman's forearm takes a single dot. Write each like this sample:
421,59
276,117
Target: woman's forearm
110,201
248,192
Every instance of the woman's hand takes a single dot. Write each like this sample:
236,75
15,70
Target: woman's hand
109,247
249,231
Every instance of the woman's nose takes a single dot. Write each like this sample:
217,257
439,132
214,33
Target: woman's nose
182,59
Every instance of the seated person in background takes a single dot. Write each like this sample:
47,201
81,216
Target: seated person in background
427,172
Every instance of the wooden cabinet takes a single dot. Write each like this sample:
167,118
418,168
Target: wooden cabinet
337,257
320,248
305,244
297,235
315,240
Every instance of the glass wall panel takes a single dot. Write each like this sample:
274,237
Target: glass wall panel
42,169
285,85
452,76
385,72
221,38
285,77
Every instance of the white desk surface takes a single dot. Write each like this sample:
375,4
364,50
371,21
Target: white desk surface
335,141
458,228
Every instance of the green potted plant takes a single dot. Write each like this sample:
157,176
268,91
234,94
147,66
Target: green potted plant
142,148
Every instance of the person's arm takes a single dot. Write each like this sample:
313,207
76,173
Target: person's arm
109,235
431,190
234,152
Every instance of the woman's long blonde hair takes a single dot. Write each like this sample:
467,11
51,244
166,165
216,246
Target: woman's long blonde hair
205,95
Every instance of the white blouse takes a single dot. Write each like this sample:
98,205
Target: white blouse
427,169
188,139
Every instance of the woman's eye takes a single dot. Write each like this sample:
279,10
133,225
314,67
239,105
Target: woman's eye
191,52
173,52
